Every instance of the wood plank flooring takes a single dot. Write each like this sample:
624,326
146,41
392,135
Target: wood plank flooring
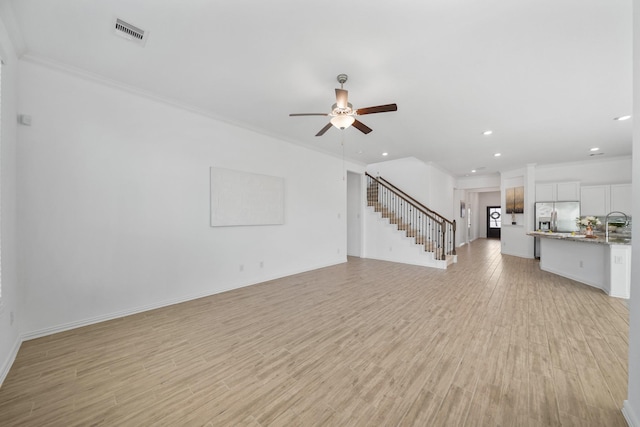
492,341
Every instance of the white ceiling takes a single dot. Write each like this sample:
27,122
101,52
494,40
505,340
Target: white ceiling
547,76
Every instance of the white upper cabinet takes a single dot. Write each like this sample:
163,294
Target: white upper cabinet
599,200
595,200
558,192
568,191
621,198
545,192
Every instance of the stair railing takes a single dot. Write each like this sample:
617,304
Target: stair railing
429,228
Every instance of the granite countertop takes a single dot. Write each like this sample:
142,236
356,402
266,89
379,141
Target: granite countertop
614,238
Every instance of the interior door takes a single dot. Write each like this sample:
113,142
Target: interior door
494,222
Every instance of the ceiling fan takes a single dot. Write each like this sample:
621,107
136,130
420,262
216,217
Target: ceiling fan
342,113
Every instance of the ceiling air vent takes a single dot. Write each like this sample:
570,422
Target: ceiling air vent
130,32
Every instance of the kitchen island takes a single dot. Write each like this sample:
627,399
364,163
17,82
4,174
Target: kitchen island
599,262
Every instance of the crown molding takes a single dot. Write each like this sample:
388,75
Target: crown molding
117,85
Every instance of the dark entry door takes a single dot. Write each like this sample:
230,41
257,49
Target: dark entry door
494,221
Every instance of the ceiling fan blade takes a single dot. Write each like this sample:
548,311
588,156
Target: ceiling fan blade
308,114
361,127
342,98
324,129
377,109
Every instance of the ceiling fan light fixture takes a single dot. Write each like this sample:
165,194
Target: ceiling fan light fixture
342,121
342,113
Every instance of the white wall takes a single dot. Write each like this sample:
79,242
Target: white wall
9,303
479,182
355,203
632,405
409,174
441,185
591,172
424,182
514,239
114,203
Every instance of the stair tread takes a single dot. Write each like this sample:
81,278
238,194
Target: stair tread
430,245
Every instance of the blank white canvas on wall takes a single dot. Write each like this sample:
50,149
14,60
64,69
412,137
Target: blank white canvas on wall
242,198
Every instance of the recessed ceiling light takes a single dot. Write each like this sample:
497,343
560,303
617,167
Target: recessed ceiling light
487,132
385,154
473,171
594,149
497,155
621,118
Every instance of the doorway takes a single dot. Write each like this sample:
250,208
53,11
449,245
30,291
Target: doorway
494,222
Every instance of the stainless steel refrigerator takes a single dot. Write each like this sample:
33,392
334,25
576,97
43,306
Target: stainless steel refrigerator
555,216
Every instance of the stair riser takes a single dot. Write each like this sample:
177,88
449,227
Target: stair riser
429,246
373,200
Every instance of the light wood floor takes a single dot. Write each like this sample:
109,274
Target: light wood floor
490,341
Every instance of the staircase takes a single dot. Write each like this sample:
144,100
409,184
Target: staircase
428,229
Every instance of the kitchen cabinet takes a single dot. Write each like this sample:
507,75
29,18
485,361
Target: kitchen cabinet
621,198
595,200
599,200
567,191
545,193
558,191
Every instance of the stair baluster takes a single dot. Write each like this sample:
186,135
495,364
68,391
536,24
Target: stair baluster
428,228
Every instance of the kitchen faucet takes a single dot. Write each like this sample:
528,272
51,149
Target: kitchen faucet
606,222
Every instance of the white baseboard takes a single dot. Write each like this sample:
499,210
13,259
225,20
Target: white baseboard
582,280
90,321
630,415
9,361
159,304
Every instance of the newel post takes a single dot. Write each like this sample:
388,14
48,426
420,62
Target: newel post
454,238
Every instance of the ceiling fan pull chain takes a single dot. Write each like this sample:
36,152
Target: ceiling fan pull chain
344,173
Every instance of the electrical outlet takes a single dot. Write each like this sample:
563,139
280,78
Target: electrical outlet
261,264
581,264
241,267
